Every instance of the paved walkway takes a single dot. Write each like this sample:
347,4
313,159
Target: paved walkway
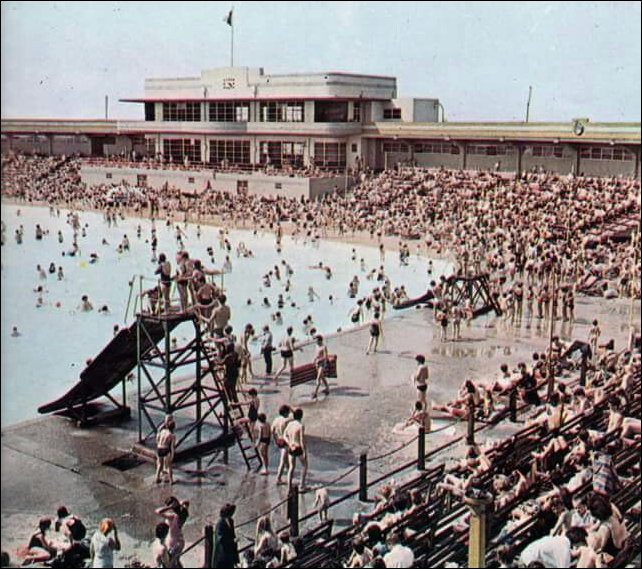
49,462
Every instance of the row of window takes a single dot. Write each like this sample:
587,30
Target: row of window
392,114
229,111
185,112
436,148
269,111
490,149
330,154
605,153
276,153
333,155
180,150
230,152
547,151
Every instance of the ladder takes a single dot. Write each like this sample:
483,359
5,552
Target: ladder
234,412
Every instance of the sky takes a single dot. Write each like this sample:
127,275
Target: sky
60,59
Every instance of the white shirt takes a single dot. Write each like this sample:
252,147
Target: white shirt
400,556
552,551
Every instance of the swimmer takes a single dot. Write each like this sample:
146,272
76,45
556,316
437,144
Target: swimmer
15,333
312,294
41,272
104,309
85,305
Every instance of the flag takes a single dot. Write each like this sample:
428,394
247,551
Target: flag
228,18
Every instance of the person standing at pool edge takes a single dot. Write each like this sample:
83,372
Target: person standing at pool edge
321,363
287,353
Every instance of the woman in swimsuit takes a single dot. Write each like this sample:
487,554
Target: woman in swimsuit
264,434
39,549
246,356
375,332
176,514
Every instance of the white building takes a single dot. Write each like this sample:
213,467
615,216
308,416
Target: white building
243,116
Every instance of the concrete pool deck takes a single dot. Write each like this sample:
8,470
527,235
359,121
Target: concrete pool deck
48,462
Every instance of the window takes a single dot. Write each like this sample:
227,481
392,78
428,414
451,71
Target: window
354,148
177,150
150,146
182,111
150,111
330,155
278,186
436,148
605,153
282,111
392,114
141,180
229,111
281,153
397,147
190,179
241,187
330,111
356,111
108,175
548,151
490,149
230,151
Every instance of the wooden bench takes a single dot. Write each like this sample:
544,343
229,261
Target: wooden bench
308,372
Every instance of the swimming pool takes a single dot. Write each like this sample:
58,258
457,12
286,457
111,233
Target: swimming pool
54,342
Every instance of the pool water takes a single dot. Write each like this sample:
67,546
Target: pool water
55,341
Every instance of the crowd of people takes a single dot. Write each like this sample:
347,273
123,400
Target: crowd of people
541,239
513,229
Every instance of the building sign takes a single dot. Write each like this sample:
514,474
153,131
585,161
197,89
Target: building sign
229,83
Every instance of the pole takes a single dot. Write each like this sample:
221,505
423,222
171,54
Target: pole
139,322
106,107
293,510
168,357
470,437
199,373
477,530
528,103
209,545
512,404
363,477
421,449
232,42
553,310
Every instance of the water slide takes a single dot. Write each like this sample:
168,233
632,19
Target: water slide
116,360
423,299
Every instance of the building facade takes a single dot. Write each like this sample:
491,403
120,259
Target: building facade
245,118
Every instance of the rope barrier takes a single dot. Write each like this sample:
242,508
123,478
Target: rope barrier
256,518
193,545
390,453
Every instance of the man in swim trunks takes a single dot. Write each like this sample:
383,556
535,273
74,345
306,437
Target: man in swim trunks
420,379
321,363
165,448
294,436
278,431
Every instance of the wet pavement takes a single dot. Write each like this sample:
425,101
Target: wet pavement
48,462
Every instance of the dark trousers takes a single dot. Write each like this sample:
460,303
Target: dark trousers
267,357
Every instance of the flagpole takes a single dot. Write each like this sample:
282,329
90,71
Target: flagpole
232,44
